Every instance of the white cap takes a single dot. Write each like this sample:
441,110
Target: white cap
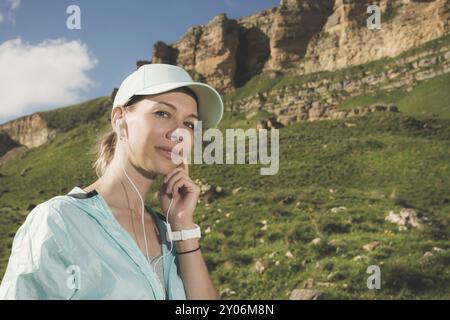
159,78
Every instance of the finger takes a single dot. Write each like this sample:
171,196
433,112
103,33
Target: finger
174,179
185,167
173,182
178,184
183,182
169,175
162,191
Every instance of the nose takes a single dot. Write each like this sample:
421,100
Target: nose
178,138
175,135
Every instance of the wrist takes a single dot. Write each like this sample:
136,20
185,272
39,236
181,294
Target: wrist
186,245
182,225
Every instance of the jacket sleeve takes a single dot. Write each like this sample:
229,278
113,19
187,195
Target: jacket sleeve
40,265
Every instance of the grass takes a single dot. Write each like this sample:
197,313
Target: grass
385,162
65,119
266,82
429,98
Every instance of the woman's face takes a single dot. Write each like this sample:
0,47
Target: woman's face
155,123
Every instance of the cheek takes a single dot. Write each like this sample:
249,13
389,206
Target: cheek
142,141
149,141
188,146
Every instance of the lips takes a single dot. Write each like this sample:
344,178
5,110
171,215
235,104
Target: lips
165,152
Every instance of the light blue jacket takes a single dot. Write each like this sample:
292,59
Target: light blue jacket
72,247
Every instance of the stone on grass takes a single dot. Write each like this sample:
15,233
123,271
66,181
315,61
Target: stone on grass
305,294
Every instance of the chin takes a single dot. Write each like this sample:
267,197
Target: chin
164,167
160,165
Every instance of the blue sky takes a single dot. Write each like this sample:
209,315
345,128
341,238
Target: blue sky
35,42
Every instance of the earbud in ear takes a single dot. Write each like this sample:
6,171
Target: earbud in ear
119,128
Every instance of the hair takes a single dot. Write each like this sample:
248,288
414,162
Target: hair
106,145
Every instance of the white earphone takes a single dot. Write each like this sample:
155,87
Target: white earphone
118,126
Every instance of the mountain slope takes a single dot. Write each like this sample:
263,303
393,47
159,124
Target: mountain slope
321,221
381,162
303,37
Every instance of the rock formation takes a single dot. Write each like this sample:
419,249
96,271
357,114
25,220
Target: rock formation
302,36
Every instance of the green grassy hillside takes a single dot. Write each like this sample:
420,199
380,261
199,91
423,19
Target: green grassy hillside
369,165
384,162
429,98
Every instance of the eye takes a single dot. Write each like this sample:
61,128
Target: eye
162,113
190,125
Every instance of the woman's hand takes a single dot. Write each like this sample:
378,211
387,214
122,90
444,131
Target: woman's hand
178,184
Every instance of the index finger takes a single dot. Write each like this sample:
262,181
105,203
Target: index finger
185,166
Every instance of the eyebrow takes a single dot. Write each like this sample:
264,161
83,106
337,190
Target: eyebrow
175,108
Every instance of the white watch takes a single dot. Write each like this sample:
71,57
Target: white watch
183,234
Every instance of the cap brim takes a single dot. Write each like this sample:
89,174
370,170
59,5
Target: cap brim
210,109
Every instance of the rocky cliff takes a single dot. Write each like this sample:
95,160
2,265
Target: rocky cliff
302,36
23,133
345,40
30,131
316,96
298,41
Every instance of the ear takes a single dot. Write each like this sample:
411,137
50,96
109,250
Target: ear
116,119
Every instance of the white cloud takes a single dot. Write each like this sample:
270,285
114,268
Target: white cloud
14,4
9,7
36,77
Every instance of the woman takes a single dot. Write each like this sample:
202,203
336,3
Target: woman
98,242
